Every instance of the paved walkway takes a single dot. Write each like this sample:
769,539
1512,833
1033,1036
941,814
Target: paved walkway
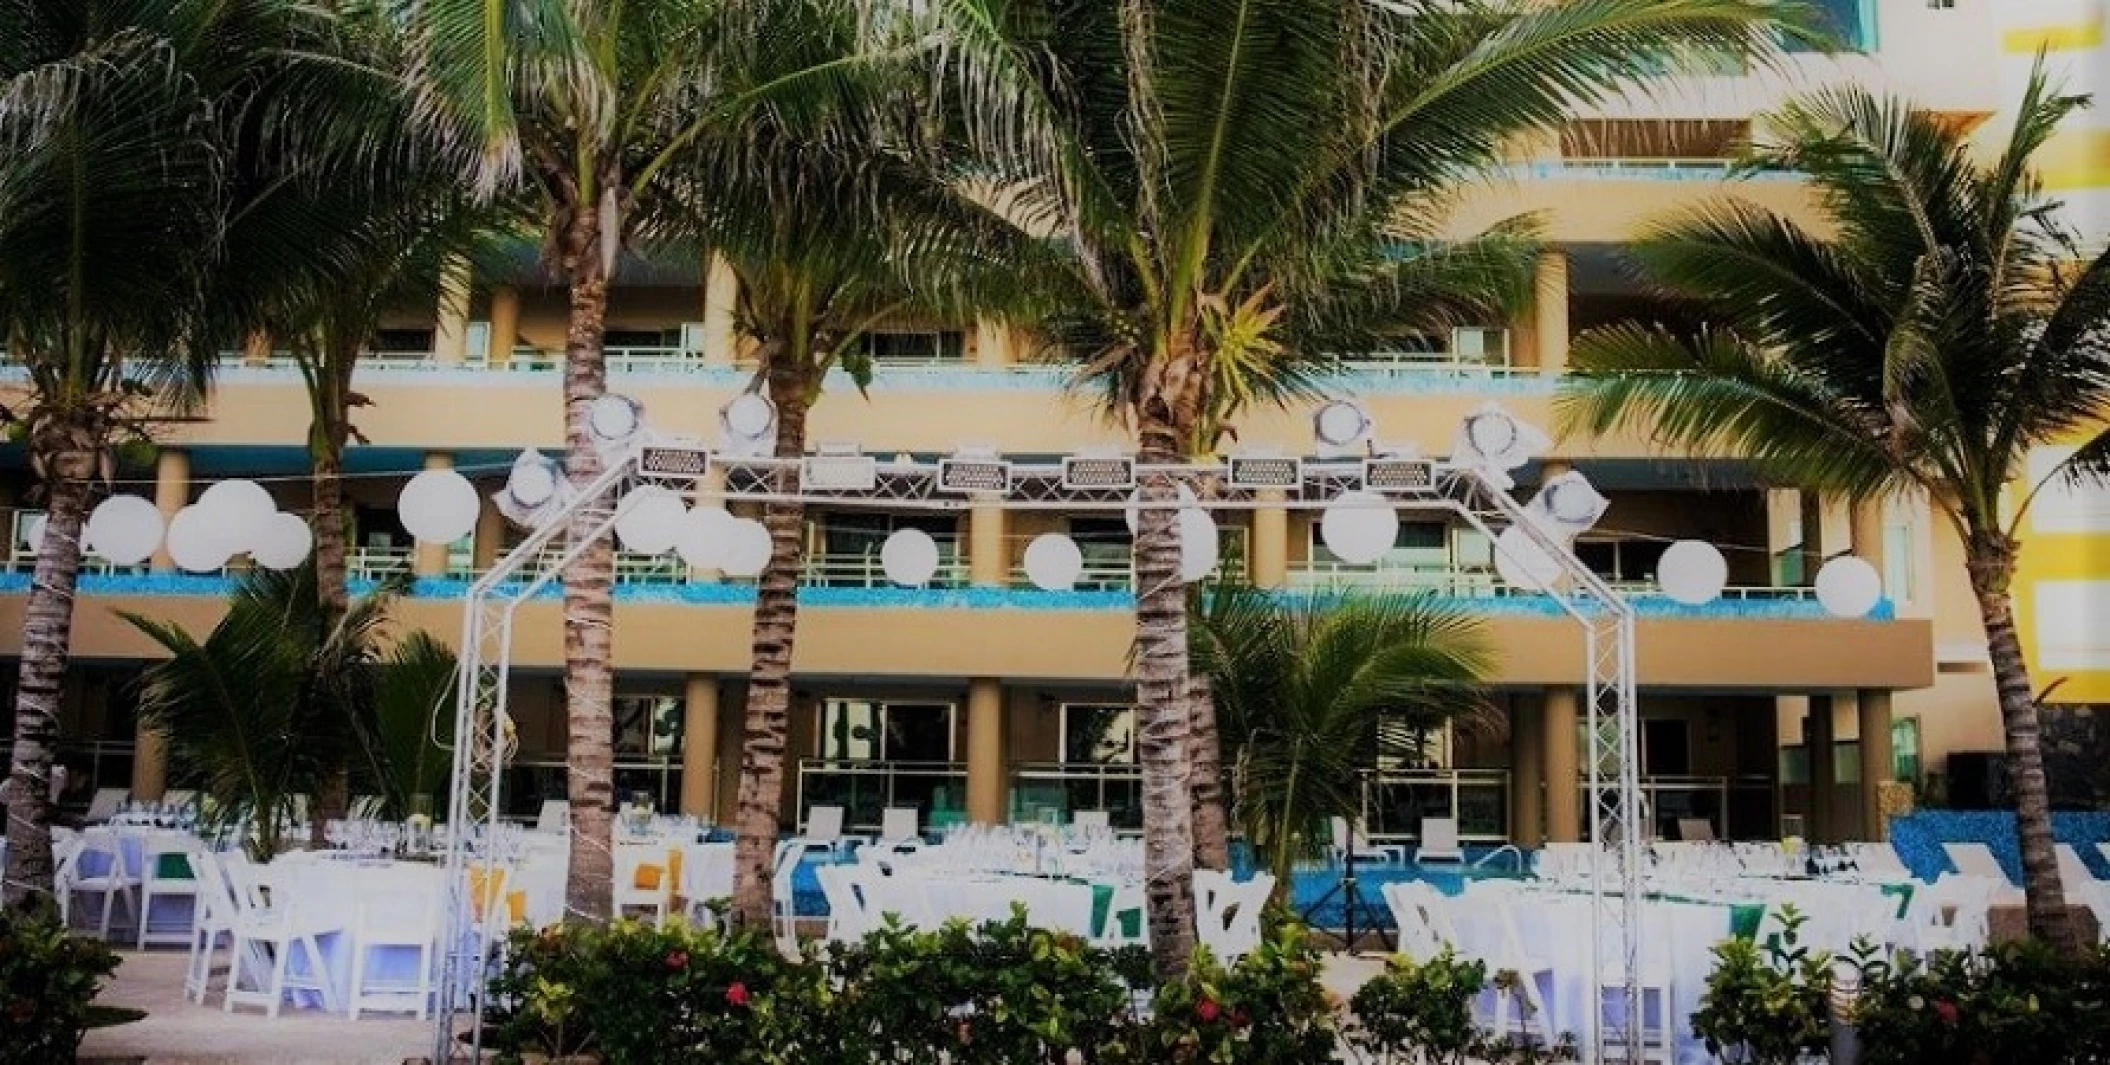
177,1031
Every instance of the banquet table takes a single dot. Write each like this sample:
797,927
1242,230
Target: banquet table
328,890
982,897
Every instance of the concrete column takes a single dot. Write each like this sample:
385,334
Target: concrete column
985,751
1549,312
450,336
171,494
721,299
1563,765
1874,710
1818,737
988,548
431,559
149,764
699,748
505,324
992,342
1270,542
1527,771
490,536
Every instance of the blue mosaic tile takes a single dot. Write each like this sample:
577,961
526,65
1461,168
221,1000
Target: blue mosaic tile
1918,838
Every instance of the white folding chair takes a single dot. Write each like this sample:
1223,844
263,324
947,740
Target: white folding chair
849,913
1878,861
785,866
1417,931
645,875
1975,859
1950,914
101,866
403,916
1658,1041
555,816
900,829
1439,842
264,942
158,879
1227,913
706,877
824,831
1348,838
214,920
104,806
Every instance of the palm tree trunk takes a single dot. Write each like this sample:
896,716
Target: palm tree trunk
768,713
589,600
1992,565
47,631
328,524
1164,726
1212,829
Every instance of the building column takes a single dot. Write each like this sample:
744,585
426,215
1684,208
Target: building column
1874,710
171,494
1818,738
992,342
450,336
988,548
490,536
721,300
699,748
985,751
1527,771
1563,765
505,325
1270,543
431,559
149,764
1549,312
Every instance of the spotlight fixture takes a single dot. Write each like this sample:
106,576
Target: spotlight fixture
1493,440
1341,427
1264,470
974,469
1569,504
749,421
1399,473
1093,471
673,460
614,420
838,467
534,489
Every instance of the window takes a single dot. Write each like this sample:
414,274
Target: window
1898,570
619,337
1621,560
1666,747
2073,624
404,341
859,730
647,726
949,345
2064,508
1795,764
1098,734
1905,750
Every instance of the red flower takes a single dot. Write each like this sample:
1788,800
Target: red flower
1207,1010
1239,1019
677,960
736,994
1948,1013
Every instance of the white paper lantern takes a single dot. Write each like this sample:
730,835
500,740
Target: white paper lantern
700,539
909,557
745,552
650,522
438,506
1520,561
1692,572
125,529
1198,547
1359,527
285,542
243,507
1054,562
198,539
1849,587
1134,513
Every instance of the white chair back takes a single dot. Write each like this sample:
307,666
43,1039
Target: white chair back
1417,933
1439,840
899,824
1227,913
849,916
1093,820
555,816
824,824
1695,830
104,806
1974,859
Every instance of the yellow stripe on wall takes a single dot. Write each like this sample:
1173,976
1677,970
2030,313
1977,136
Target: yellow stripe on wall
2075,159
2072,37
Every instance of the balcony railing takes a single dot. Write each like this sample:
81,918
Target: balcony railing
1480,584
1642,168
1736,807
1044,791
865,789
1395,801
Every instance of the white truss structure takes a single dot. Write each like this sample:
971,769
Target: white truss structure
482,724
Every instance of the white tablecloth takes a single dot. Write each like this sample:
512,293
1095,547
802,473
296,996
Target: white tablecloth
328,892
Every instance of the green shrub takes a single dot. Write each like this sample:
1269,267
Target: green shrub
1268,1009
1767,1005
2018,1003
47,980
1419,1011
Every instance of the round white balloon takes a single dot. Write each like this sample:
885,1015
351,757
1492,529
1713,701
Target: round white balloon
244,507
650,523
198,540
700,539
1359,527
125,529
1198,547
285,543
909,557
745,552
1054,562
438,506
1692,572
1520,561
1849,587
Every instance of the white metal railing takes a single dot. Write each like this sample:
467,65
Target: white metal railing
1477,583
864,570
1394,800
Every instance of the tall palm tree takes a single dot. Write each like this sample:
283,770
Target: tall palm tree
122,125
836,218
1245,184
1941,336
1314,688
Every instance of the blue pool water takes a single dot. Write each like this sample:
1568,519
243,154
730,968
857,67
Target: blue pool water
1316,893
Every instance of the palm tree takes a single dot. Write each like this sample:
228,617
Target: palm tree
123,125
1313,688
413,715
1246,185
275,698
1941,336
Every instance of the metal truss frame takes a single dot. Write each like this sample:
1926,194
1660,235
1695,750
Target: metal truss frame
482,727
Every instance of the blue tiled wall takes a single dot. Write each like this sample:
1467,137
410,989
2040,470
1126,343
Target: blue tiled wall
1918,838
